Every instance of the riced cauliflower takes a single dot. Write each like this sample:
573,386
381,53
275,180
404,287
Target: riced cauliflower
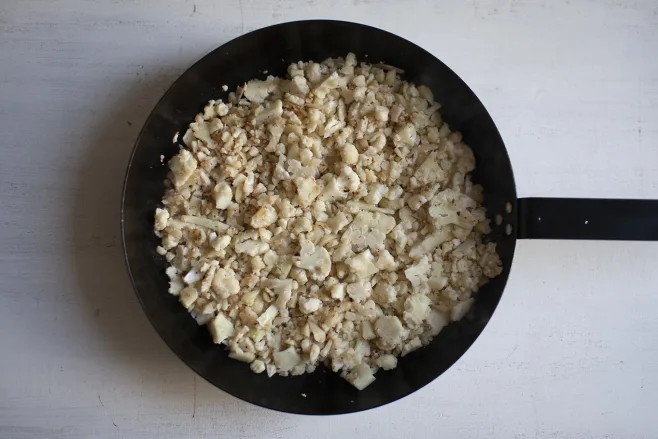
327,217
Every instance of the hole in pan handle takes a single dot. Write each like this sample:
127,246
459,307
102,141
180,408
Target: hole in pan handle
588,218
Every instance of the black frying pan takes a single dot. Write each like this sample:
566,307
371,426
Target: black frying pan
273,49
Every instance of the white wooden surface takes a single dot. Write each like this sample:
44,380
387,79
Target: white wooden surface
571,352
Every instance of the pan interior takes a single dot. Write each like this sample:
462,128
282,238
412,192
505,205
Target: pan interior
272,49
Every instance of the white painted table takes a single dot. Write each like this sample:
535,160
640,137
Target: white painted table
572,351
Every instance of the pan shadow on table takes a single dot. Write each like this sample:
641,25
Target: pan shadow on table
132,351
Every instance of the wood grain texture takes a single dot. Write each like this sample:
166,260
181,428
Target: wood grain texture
571,352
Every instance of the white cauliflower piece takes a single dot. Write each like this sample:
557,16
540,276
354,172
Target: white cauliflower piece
416,309
221,328
182,166
257,91
387,362
286,360
362,265
430,171
430,243
223,195
390,330
307,190
385,261
451,207
264,217
417,273
359,291
461,309
161,219
274,110
437,320
349,154
369,230
361,376
188,296
282,288
337,291
338,222
265,320
309,305
376,192
251,247
350,179
405,136
225,284
384,293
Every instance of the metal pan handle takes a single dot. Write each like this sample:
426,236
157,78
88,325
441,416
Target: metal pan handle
588,218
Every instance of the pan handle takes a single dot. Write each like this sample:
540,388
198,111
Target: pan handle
588,218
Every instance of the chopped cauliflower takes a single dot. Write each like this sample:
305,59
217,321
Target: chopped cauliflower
327,217
416,309
362,265
314,259
221,328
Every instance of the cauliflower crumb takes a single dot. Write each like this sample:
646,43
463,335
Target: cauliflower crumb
349,154
326,217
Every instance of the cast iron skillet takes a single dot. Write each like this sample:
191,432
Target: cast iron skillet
273,49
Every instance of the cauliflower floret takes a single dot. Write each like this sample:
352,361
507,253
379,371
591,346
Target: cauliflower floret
171,237
257,91
265,320
161,218
416,309
369,230
376,192
286,360
274,110
349,154
384,293
314,259
430,243
221,328
308,306
405,136
220,242
490,261
385,261
362,265
460,309
338,222
390,330
359,291
188,296
351,179
451,207
430,171
252,247
337,291
182,166
387,362
437,321
264,217
282,288
225,284
223,195
361,376
333,189
307,190
417,273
